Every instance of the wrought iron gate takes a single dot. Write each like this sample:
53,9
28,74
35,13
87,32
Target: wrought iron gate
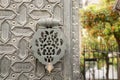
99,64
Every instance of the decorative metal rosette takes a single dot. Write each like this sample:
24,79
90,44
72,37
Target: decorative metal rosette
48,45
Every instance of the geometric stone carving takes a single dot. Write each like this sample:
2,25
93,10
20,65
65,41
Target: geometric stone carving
7,49
57,76
38,3
47,78
18,19
58,12
22,17
7,14
22,0
54,76
5,31
23,48
4,66
22,31
22,67
37,14
5,3
75,40
22,77
53,1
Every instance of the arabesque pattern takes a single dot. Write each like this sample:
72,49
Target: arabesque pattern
18,19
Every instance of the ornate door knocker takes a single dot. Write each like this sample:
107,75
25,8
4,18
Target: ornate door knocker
48,43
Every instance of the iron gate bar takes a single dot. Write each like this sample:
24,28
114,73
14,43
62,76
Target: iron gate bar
97,58
90,59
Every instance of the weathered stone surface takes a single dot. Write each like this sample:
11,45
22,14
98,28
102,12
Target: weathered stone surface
37,14
23,48
18,24
22,31
7,49
5,3
22,67
7,14
5,31
22,77
4,66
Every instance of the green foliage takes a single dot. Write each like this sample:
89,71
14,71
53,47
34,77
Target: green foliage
100,21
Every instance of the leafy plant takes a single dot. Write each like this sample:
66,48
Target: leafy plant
103,22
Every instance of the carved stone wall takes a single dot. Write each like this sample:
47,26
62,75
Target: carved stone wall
18,20
72,30
75,40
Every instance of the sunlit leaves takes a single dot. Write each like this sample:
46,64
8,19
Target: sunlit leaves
100,21
103,18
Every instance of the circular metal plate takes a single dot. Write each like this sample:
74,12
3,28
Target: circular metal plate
48,45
